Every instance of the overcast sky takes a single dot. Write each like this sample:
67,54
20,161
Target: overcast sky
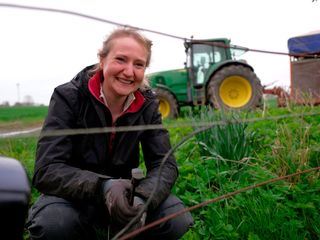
40,50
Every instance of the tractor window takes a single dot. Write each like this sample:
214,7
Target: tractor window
219,54
237,52
188,60
202,58
201,55
217,57
206,55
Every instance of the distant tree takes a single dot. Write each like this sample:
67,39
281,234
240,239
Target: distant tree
5,104
28,100
17,104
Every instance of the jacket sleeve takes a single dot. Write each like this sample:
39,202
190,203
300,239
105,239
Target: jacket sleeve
155,145
55,172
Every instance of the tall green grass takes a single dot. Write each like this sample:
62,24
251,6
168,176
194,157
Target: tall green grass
210,167
229,140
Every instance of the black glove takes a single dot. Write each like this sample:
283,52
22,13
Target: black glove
116,195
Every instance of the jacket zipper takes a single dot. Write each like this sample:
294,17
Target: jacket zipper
111,141
113,133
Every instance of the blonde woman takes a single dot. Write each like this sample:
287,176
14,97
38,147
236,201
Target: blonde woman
85,179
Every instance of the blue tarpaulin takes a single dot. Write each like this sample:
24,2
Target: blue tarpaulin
308,44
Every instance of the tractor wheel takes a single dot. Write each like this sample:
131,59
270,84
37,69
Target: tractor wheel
168,106
234,87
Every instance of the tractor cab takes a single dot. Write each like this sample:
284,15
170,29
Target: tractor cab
203,55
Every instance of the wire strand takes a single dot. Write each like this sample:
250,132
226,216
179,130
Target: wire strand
180,143
82,15
74,13
207,202
80,131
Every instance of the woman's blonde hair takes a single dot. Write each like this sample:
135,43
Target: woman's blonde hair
125,32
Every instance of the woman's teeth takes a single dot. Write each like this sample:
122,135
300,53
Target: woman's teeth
125,81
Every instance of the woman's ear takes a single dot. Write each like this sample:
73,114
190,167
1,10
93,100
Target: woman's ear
101,63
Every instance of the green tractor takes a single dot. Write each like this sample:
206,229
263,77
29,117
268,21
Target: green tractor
212,76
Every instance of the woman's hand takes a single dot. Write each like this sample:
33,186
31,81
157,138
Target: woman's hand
116,196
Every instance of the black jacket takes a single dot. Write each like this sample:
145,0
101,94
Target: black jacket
73,166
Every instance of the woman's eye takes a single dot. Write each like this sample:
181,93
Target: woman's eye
120,59
140,65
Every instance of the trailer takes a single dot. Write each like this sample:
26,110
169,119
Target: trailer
304,52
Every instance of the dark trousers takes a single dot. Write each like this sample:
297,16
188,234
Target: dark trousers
56,218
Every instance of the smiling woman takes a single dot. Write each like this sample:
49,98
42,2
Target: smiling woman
89,175
123,60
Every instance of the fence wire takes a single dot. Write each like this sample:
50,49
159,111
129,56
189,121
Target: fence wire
203,124
94,18
207,202
179,144
200,126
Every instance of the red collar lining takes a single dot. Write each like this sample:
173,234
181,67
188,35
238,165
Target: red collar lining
94,89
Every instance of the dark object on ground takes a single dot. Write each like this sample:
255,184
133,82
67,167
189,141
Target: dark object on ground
14,197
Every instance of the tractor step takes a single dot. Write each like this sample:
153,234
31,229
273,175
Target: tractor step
199,96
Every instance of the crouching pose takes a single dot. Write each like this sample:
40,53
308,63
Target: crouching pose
84,179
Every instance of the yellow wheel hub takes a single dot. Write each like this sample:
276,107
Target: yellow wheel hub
235,91
164,108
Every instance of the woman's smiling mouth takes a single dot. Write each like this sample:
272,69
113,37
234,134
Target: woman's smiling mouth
125,81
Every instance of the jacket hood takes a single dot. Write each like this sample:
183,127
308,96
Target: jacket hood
82,78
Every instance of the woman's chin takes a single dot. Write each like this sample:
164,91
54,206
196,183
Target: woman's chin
126,90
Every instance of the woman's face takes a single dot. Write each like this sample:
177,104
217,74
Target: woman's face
123,68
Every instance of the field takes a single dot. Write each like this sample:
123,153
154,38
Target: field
21,117
239,150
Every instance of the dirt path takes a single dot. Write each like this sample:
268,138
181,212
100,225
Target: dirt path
18,128
17,133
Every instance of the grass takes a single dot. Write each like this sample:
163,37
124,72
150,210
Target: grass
22,113
229,141
234,156
19,117
275,148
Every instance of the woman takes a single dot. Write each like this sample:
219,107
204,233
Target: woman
84,179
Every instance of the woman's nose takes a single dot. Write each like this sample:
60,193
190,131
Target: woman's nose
128,70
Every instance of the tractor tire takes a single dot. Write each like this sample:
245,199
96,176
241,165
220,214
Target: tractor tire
168,106
234,87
